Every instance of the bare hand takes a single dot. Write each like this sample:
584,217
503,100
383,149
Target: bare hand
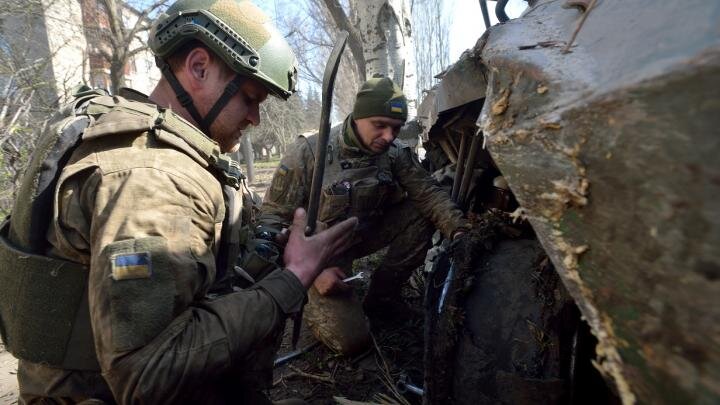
305,256
329,282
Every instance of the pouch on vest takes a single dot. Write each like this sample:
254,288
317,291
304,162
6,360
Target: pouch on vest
41,298
367,197
335,203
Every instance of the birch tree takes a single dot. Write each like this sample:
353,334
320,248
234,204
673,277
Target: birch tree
311,31
382,29
432,47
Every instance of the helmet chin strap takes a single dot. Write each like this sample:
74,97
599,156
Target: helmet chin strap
186,100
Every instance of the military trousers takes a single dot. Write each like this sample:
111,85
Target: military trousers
338,320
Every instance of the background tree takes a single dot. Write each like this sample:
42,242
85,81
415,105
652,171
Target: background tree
382,30
431,37
311,32
119,31
380,42
282,121
37,70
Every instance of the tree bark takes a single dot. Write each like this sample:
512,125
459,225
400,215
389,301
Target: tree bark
342,21
382,29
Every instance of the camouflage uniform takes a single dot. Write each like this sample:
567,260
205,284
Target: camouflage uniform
144,212
396,202
143,236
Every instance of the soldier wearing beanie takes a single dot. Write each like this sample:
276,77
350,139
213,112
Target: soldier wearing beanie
374,176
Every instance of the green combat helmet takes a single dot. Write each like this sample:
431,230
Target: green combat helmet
235,30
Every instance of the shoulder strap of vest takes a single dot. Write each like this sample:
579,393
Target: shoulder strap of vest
311,141
393,152
333,143
118,115
58,138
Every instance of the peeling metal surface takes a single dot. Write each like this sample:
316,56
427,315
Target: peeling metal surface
455,89
612,151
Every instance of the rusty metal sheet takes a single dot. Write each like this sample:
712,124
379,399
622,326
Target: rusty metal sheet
461,83
612,151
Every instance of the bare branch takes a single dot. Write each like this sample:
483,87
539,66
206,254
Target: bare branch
342,21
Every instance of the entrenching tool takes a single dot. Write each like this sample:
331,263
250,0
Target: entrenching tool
321,152
324,133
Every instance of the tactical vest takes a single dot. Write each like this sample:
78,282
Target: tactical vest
361,186
44,312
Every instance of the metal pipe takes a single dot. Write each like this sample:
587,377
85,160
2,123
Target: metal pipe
573,364
459,166
485,14
407,387
469,166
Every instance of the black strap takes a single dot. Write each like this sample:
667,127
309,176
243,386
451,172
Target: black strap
229,92
187,102
229,248
183,96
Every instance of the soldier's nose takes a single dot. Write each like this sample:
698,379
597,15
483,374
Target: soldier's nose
388,135
253,114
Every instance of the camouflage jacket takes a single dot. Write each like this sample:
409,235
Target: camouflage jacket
142,210
356,183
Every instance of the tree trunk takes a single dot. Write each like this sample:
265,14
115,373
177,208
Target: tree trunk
431,29
117,75
385,35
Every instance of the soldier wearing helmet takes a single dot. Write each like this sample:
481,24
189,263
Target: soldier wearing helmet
121,247
374,176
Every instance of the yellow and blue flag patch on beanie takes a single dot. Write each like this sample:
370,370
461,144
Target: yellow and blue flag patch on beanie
397,106
128,266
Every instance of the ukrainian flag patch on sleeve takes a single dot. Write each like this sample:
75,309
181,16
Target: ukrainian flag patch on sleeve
128,266
396,106
283,170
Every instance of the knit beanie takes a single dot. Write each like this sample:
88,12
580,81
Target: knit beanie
379,96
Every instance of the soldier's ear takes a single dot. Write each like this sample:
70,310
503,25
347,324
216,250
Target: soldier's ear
197,64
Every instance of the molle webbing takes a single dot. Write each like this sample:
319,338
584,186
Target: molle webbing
123,116
41,297
39,305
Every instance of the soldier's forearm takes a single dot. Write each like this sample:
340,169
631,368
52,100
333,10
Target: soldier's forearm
205,340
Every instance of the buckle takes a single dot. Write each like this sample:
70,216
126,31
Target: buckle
229,169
